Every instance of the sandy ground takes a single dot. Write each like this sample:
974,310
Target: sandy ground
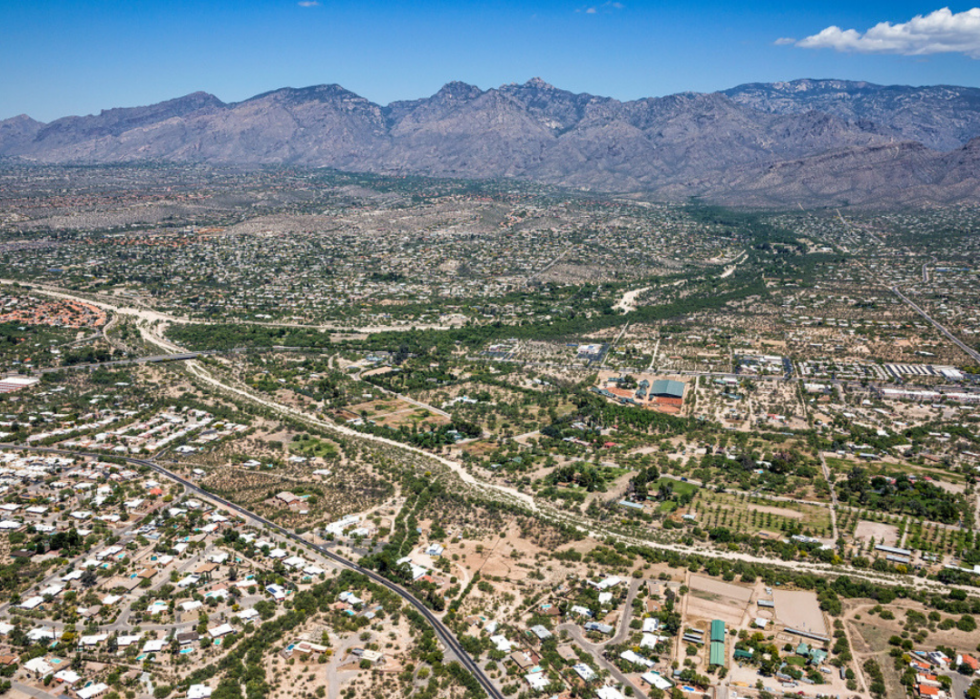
882,629
721,588
714,599
628,301
728,610
877,530
800,610
781,511
745,677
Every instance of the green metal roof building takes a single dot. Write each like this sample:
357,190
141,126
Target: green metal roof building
716,656
717,630
667,388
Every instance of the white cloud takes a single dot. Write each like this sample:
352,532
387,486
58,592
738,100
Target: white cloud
606,7
308,3
784,41
938,32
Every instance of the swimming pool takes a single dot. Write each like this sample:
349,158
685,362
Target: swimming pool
185,651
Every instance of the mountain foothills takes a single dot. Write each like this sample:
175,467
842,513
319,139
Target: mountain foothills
807,142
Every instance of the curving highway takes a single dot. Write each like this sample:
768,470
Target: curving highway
444,634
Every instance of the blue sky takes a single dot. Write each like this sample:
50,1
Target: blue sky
59,58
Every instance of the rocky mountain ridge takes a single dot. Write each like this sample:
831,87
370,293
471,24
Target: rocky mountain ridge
806,142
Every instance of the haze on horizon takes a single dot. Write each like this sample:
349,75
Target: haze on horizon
61,58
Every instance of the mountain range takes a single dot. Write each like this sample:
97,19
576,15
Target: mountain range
806,142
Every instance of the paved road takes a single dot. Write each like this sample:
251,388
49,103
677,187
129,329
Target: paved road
653,357
445,635
624,623
972,353
147,314
152,359
548,511
614,343
833,494
31,691
621,635
504,492
596,652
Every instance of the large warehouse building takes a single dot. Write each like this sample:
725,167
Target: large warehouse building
666,392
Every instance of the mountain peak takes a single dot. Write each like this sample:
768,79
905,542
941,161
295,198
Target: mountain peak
539,84
200,95
177,105
972,146
810,84
20,118
311,93
458,90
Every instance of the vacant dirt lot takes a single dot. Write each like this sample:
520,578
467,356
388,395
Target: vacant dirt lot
719,587
800,610
713,599
781,511
867,530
